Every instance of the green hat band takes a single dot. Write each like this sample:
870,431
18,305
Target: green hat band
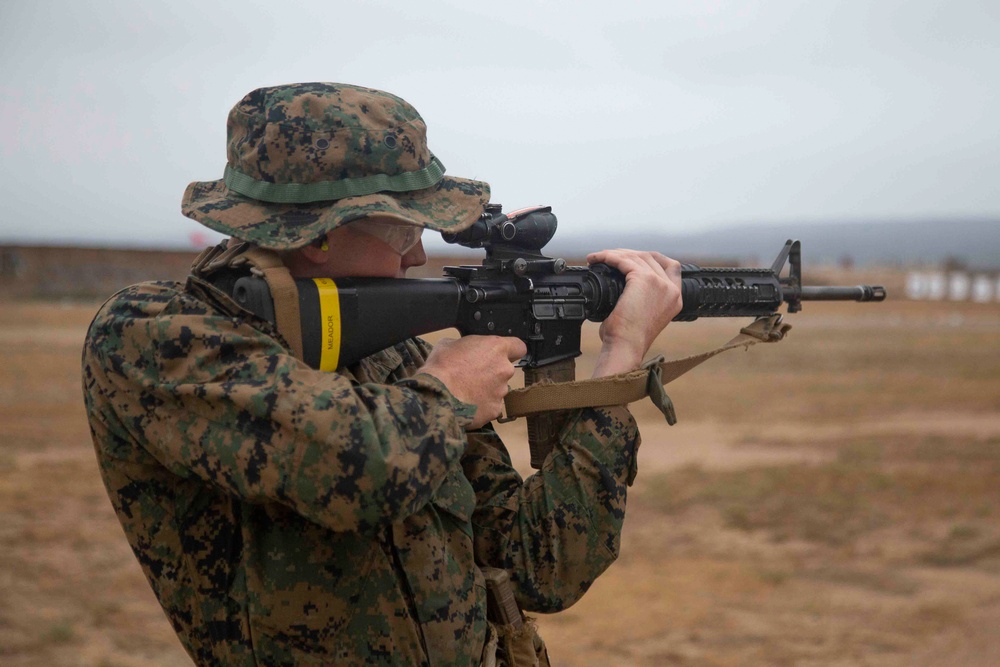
307,193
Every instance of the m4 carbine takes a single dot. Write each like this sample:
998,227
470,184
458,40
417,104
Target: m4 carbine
517,291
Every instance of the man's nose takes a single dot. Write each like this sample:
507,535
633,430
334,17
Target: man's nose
415,256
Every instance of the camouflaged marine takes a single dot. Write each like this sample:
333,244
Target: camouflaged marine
287,516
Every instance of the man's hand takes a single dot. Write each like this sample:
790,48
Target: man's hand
476,369
652,297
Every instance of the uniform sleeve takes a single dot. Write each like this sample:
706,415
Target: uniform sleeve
213,398
556,531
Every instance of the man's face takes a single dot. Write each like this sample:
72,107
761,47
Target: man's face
354,253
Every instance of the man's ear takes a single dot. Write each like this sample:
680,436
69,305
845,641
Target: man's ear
315,252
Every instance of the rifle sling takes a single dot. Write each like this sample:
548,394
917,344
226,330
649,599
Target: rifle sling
267,264
647,380
284,294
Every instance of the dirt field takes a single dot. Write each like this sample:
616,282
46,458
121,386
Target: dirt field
830,500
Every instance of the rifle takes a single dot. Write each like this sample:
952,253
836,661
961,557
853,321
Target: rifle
517,291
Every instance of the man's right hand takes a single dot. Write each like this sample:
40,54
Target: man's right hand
476,369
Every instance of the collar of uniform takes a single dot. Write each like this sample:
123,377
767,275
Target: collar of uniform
213,294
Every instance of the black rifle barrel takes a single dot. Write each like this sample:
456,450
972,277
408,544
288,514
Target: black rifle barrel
856,293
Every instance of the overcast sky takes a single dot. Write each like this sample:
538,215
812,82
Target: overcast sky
658,114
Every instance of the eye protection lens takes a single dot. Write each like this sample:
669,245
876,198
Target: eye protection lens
399,236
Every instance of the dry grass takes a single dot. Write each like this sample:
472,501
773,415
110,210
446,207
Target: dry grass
864,559
869,486
71,592
830,500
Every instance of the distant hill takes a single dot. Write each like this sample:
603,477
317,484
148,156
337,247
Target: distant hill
976,243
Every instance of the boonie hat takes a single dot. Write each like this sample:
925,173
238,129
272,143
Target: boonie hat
306,158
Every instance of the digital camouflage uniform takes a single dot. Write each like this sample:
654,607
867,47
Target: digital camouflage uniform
288,516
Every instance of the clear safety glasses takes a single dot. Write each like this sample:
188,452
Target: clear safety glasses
399,236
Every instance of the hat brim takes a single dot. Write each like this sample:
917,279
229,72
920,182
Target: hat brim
451,205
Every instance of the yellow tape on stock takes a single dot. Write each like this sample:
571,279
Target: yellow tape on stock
329,310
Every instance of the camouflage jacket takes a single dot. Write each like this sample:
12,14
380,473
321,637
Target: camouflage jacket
287,516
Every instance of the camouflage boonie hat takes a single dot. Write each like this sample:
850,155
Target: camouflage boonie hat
305,158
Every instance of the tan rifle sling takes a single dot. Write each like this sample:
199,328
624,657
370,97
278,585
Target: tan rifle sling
284,295
268,265
628,387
